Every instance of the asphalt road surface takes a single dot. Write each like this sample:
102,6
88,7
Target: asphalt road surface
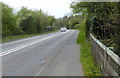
54,54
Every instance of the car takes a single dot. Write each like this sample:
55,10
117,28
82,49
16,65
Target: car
63,29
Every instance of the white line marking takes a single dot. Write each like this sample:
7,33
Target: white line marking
49,60
24,46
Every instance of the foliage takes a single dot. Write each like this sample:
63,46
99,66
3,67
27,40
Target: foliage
68,21
86,57
34,21
102,20
25,21
74,20
62,22
8,21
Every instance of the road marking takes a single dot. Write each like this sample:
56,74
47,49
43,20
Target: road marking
49,60
24,46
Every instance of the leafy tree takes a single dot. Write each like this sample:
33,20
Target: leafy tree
62,22
27,25
8,21
102,20
34,21
26,21
73,20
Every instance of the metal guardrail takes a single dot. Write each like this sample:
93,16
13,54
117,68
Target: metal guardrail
106,60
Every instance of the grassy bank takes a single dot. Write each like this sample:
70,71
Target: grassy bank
12,38
86,57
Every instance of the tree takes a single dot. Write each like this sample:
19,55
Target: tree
26,21
34,21
73,21
8,21
62,22
102,20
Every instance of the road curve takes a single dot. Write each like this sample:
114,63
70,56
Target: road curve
54,54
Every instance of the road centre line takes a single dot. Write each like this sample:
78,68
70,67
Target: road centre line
47,62
24,46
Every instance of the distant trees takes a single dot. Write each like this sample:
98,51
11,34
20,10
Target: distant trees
62,22
25,21
73,21
102,20
68,21
34,21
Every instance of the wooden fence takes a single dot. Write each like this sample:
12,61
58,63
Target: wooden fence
106,60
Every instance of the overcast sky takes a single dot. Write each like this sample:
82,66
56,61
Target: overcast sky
57,8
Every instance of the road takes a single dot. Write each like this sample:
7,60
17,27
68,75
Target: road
54,54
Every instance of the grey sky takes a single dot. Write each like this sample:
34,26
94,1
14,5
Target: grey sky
57,8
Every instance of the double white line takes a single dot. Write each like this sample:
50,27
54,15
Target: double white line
24,46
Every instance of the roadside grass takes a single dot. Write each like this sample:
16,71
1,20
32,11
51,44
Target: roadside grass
86,58
12,38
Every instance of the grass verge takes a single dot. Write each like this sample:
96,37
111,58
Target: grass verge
86,58
12,38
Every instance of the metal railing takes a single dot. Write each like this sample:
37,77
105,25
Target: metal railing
105,59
